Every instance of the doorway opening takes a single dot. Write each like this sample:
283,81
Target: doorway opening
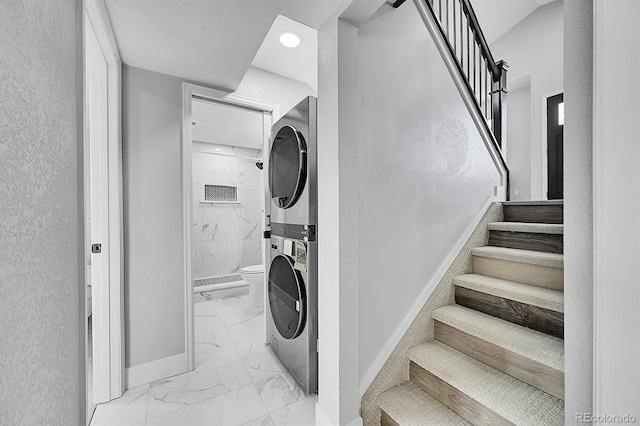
555,127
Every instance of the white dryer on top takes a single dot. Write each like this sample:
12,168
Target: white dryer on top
293,183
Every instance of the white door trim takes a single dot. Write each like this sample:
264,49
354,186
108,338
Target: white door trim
188,91
112,307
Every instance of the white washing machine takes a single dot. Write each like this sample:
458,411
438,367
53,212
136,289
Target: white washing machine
293,308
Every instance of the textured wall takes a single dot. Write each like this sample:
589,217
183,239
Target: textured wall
226,237
578,208
39,300
424,171
154,284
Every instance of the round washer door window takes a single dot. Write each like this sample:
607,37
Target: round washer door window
287,167
287,298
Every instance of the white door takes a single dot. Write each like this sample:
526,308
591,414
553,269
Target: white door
97,208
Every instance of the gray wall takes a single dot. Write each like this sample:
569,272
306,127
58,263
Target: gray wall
154,284
40,362
424,171
578,207
519,142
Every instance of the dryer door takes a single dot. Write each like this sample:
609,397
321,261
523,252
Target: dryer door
287,297
287,167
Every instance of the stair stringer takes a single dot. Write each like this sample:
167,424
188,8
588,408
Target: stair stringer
396,369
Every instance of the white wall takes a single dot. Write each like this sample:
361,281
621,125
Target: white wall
154,288
226,237
534,48
616,177
41,325
273,88
425,172
578,208
519,142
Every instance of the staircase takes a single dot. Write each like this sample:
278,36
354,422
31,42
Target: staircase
497,356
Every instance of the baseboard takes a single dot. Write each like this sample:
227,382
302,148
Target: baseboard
385,353
155,370
321,418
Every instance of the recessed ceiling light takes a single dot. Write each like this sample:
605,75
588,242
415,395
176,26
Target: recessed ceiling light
217,149
290,40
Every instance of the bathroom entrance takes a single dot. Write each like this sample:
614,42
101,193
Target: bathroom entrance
225,201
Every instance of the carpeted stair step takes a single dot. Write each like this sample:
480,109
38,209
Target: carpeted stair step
531,306
533,211
477,392
523,266
407,404
543,237
533,357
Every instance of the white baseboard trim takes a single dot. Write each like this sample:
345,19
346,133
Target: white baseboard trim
385,353
155,370
321,418
357,422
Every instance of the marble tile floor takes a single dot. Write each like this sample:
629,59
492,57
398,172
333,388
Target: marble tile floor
237,379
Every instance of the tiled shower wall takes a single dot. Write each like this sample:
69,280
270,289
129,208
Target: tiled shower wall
226,237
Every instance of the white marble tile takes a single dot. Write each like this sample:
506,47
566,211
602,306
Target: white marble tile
279,390
210,327
252,348
245,325
190,388
232,305
301,413
237,407
263,366
262,421
205,309
129,409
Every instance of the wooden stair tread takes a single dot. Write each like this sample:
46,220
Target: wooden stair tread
534,203
552,300
552,260
534,345
407,404
534,228
500,393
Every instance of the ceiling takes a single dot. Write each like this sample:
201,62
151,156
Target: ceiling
208,41
300,63
497,17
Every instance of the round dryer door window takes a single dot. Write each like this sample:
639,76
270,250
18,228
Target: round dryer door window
287,298
287,167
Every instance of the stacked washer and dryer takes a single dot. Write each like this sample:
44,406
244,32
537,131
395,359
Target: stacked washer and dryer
292,313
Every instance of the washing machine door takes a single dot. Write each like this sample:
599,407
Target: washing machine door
287,297
287,167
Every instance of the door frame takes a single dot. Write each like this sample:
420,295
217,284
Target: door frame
112,381
545,143
270,113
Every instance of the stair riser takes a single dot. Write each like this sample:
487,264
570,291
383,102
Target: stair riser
386,420
533,214
541,276
548,243
533,317
457,401
537,375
